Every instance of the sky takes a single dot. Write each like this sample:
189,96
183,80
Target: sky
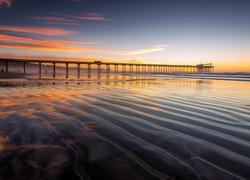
181,32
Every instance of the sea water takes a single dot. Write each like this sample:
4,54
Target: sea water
126,127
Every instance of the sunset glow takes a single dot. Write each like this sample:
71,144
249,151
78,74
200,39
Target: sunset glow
167,32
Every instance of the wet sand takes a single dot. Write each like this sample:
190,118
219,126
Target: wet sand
12,75
157,129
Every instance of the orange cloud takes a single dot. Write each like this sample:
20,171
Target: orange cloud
34,43
8,3
88,16
5,37
42,46
51,46
49,57
44,31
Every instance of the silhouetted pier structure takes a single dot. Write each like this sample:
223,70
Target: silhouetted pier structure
133,67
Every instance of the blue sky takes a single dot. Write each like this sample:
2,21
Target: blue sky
152,31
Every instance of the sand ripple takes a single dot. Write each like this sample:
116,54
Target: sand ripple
124,132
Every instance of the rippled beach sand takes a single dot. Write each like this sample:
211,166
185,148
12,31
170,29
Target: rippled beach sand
167,128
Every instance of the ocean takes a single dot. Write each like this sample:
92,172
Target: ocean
151,126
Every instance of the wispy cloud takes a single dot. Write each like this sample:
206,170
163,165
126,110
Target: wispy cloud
63,23
137,60
54,20
136,52
35,43
34,30
42,46
153,49
85,16
30,38
7,3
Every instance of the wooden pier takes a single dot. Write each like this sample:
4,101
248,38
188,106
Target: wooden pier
126,67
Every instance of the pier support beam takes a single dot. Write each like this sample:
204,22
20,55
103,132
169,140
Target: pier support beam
24,67
116,68
123,68
89,68
54,70
78,70
130,68
137,68
6,66
108,68
40,69
67,70
99,68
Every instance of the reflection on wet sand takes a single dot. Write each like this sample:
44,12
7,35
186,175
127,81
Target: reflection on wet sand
128,128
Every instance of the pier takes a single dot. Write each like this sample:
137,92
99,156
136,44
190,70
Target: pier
125,67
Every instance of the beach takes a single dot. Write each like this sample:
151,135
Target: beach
157,127
12,75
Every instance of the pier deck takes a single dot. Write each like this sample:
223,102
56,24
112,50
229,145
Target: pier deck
138,67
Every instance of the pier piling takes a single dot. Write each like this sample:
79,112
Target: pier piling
54,70
78,70
67,70
108,68
6,66
139,68
89,68
40,69
24,68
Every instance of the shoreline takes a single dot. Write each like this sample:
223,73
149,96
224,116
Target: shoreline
15,76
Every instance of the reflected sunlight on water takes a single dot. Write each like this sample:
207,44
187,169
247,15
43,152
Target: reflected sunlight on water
133,129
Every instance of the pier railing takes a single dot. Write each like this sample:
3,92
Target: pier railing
133,67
